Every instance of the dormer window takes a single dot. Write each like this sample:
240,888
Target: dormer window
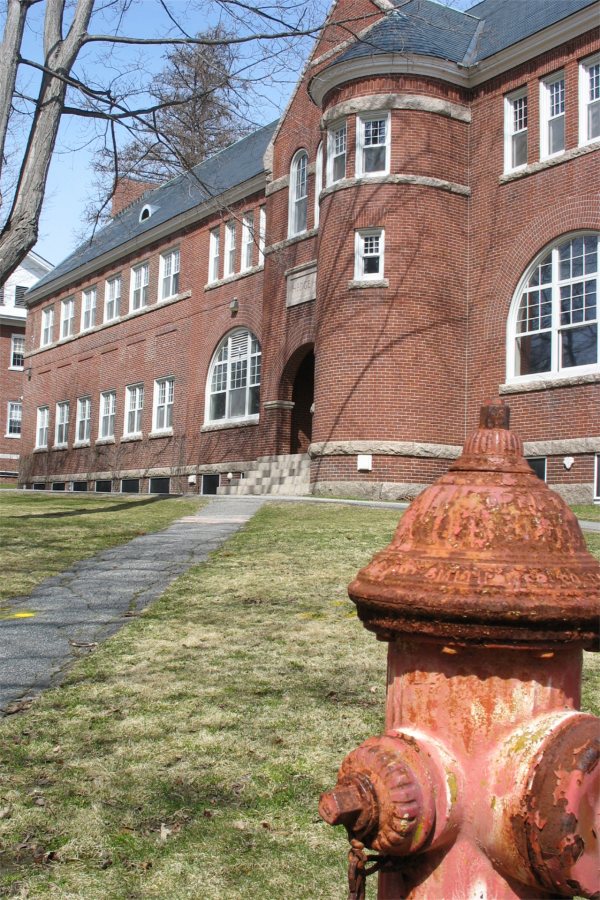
146,212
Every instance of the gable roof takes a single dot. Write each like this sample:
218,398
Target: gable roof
426,28
228,168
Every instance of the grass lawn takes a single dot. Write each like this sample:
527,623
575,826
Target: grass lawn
185,757
43,535
589,511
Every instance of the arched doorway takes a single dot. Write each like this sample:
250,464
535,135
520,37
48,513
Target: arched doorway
303,395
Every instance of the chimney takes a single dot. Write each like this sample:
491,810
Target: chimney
127,191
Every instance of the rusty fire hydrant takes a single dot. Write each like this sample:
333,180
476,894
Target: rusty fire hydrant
485,783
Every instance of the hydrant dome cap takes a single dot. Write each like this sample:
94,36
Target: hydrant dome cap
487,553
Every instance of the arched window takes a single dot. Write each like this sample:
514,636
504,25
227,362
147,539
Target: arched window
233,390
298,193
553,326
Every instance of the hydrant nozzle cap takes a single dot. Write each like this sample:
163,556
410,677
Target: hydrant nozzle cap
486,554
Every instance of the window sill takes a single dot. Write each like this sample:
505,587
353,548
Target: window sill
102,441
16,368
79,444
40,449
60,447
173,298
290,241
235,276
548,383
229,423
127,438
166,432
13,437
549,162
375,283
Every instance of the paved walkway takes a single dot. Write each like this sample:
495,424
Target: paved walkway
73,611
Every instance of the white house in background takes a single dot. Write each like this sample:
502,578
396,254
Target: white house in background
13,314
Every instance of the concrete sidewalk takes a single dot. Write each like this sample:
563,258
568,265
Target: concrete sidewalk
75,610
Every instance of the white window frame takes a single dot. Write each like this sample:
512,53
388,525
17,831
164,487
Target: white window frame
597,477
318,183
230,248
545,114
229,365
510,132
162,406
14,340
83,421
61,425
139,287
107,416
134,410
298,194
214,254
41,427
47,326
337,135
14,414
112,298
361,122
67,317
89,300
362,252
169,273
585,100
247,240
262,234
556,328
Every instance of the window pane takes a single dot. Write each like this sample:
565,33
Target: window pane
579,346
519,149
374,159
217,406
237,402
534,353
556,135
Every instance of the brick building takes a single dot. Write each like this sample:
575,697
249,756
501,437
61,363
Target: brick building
13,313
335,295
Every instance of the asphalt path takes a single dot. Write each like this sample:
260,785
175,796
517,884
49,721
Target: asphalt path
66,616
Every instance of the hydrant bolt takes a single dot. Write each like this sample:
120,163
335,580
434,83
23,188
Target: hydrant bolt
342,805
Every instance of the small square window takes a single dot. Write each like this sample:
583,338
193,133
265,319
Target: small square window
372,144
369,247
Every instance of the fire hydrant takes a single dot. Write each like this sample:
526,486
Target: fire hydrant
485,782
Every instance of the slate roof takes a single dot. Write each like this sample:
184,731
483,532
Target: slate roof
232,166
427,28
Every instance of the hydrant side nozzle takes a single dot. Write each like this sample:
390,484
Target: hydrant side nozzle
342,805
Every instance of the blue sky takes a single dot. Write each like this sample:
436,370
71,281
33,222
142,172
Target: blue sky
70,182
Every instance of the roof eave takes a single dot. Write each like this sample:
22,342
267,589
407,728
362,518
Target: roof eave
153,235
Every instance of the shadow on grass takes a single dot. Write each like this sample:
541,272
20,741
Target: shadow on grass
90,512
